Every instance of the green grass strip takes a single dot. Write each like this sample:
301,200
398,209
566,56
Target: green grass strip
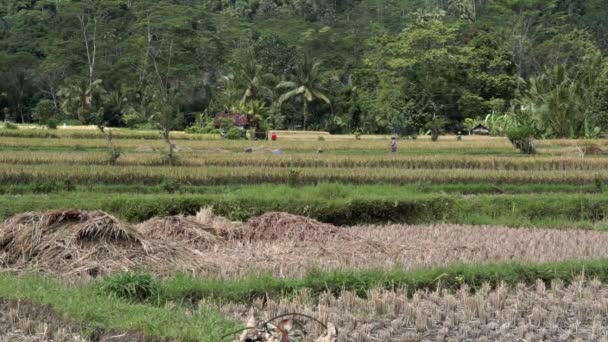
85,305
188,289
337,205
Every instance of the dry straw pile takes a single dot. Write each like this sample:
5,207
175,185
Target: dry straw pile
180,228
75,243
275,226
84,243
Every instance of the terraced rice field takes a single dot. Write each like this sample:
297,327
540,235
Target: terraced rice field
449,240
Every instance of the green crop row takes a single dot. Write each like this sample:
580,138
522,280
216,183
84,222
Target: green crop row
548,210
183,288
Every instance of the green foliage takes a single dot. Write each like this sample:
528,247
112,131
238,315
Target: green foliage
426,279
52,123
48,186
235,133
306,84
387,67
45,111
500,124
522,138
134,287
90,309
435,126
10,125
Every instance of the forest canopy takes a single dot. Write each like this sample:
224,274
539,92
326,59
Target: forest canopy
344,66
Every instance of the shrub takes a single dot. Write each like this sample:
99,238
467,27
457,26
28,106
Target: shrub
294,177
436,126
170,185
522,138
134,287
52,124
10,125
45,111
234,134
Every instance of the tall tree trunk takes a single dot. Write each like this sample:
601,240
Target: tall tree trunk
305,114
170,147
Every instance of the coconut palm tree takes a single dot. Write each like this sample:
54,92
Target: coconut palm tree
82,98
256,83
555,97
305,83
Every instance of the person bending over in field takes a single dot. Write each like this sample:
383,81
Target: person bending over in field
394,144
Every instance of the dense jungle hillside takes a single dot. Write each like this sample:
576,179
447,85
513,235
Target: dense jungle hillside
344,66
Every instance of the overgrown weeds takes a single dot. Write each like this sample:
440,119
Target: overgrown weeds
135,287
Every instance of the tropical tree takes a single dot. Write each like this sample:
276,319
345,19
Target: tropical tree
306,84
466,9
256,83
562,98
82,98
166,116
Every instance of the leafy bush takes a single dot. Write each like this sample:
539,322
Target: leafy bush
10,125
522,138
170,185
134,287
436,126
132,118
234,134
294,177
52,123
45,111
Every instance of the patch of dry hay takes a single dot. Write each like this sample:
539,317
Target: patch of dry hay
146,148
181,229
222,227
275,226
87,243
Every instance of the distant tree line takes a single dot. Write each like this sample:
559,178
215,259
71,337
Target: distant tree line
345,66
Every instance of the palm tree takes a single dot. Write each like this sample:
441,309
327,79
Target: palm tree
255,82
81,98
555,96
306,84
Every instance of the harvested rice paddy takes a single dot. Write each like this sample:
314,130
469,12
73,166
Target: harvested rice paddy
442,241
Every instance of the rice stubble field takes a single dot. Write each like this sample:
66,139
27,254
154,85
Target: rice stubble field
443,241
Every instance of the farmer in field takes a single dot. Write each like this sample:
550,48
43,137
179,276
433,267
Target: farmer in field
394,144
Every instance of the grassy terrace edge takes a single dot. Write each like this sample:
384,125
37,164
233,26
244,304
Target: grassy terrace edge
584,211
188,289
93,310
86,304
